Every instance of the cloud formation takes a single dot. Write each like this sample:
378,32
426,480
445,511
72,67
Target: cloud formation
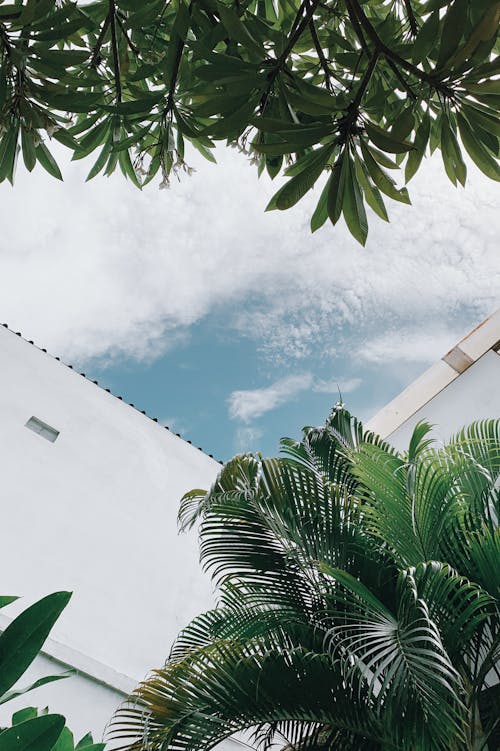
247,405
102,270
250,404
411,345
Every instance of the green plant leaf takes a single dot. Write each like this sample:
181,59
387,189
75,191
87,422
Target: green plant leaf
23,638
385,141
476,150
426,38
39,734
382,179
452,156
320,214
453,30
299,185
47,161
336,188
353,207
9,695
7,599
420,144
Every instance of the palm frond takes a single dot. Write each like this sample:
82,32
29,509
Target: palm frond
401,659
229,687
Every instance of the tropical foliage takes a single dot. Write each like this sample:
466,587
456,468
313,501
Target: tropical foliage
358,600
20,643
344,89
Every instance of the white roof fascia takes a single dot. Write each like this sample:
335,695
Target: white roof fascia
474,345
83,664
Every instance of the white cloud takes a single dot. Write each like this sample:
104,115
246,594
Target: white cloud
333,386
101,269
247,438
253,403
410,345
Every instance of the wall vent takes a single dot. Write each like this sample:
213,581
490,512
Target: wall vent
37,426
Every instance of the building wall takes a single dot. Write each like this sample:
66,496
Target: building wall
87,704
473,395
94,513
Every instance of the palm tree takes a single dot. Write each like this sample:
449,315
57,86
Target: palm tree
357,600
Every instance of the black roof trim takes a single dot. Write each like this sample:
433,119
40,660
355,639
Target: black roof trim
140,411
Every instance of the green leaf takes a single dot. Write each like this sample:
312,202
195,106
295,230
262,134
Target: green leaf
8,152
7,599
47,161
39,734
87,740
384,140
29,149
238,31
353,207
100,162
179,32
476,150
486,27
453,30
371,192
28,713
420,144
478,117
381,179
127,167
23,638
452,157
353,584
336,188
299,185
426,38
320,214
65,741
9,695
403,125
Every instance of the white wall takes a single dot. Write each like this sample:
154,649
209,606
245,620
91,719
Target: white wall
474,395
86,704
95,513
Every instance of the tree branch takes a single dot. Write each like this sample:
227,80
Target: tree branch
404,83
298,29
114,46
411,17
354,106
390,54
94,60
357,28
321,54
130,43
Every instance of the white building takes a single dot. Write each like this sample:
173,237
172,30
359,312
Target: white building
89,497
90,489
461,387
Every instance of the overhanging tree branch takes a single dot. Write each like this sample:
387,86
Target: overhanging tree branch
382,48
411,17
94,60
321,55
114,47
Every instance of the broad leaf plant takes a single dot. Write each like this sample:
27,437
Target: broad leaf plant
340,92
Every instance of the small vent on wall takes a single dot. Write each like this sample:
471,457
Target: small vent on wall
37,426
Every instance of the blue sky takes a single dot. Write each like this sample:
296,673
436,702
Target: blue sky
217,390
233,326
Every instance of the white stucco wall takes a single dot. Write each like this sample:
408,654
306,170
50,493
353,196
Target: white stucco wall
94,513
473,395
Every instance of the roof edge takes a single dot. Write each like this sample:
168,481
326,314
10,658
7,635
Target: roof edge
482,339
115,396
